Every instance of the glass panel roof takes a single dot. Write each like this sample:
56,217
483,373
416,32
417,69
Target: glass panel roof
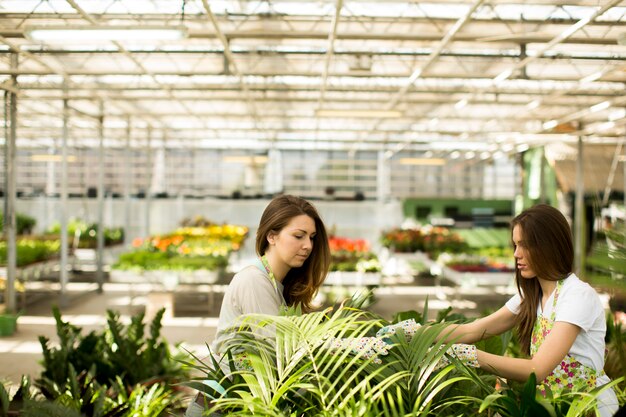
462,75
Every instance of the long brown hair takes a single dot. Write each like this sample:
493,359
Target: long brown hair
300,284
550,254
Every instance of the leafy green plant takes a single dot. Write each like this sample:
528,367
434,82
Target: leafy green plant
138,359
615,362
118,350
81,393
88,233
13,403
24,224
147,260
291,373
31,250
146,401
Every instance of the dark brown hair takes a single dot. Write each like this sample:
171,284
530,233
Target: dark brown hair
301,284
549,247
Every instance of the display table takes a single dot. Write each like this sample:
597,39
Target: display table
177,290
354,279
35,270
479,279
169,279
462,279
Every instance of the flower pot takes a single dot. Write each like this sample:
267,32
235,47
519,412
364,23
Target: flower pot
8,324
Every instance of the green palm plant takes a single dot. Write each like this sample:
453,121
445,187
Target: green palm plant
294,373
297,374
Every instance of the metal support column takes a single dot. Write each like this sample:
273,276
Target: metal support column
148,198
63,207
128,177
383,174
580,211
9,214
100,231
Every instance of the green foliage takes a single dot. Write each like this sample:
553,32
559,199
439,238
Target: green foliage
82,396
292,373
486,238
47,409
432,240
149,261
24,224
355,261
22,395
608,261
615,361
119,350
136,358
31,250
88,233
152,401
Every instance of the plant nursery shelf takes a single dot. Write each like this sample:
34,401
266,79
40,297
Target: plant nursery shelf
354,278
36,270
479,279
167,278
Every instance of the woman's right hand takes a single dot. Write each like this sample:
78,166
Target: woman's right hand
409,327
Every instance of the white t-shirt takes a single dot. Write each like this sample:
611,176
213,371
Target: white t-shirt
250,291
580,305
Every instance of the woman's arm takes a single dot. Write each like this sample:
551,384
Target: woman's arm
494,324
552,351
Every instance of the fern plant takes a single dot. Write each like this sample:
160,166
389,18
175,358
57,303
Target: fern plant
118,350
292,373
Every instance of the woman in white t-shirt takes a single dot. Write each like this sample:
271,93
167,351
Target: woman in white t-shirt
293,261
560,320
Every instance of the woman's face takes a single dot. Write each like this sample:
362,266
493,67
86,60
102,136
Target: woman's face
522,257
294,243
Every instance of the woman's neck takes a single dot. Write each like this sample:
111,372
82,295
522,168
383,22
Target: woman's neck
547,286
278,268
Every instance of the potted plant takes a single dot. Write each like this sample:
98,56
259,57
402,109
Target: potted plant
8,324
8,320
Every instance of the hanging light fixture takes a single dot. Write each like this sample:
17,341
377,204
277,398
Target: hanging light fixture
105,33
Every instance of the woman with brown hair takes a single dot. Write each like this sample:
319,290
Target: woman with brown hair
293,258
560,319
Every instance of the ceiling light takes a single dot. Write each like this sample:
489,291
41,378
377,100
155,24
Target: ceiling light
600,106
533,104
243,159
455,155
105,33
605,126
550,125
592,77
617,114
51,158
422,161
378,114
460,104
503,75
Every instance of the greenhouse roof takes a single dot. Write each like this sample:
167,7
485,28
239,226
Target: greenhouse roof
351,75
